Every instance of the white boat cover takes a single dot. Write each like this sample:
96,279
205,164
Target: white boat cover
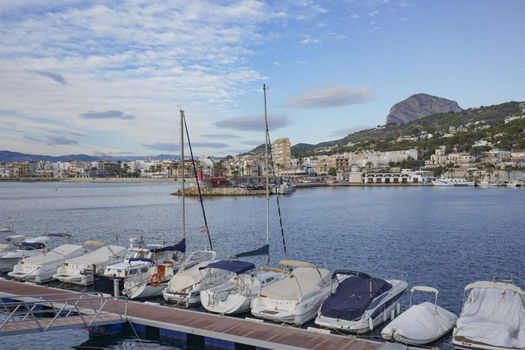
98,256
59,253
421,324
187,278
493,316
300,284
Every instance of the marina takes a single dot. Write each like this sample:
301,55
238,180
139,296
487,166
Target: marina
451,286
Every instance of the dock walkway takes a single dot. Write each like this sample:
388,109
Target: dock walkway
231,329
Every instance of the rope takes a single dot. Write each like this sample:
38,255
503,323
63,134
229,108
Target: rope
198,184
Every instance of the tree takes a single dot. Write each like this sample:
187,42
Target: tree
332,171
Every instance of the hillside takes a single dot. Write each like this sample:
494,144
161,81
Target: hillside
8,156
418,106
470,125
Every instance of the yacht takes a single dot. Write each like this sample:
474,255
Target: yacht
193,276
235,295
10,242
421,323
492,317
80,270
296,298
452,182
6,229
359,302
42,267
140,258
27,248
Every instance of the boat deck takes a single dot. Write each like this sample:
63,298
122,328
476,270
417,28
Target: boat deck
248,332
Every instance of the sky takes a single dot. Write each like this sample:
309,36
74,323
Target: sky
109,77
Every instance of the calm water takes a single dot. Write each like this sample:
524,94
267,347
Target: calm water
442,237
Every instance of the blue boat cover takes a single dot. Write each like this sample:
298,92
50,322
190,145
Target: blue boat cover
264,250
353,296
179,247
57,235
234,266
35,245
141,259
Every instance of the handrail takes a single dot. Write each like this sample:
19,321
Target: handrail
92,305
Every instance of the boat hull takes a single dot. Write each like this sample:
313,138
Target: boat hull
79,280
7,264
232,304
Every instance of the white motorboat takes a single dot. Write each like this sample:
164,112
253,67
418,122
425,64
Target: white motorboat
29,247
150,282
515,183
6,229
10,242
80,270
235,295
42,267
185,286
421,323
358,302
492,317
452,182
284,188
139,259
296,298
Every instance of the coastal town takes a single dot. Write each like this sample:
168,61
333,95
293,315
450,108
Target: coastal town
361,167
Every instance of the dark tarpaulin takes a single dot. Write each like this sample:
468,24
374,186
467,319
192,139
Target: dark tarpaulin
235,266
353,296
264,250
33,245
179,247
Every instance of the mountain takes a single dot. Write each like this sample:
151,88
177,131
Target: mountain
482,122
8,156
418,106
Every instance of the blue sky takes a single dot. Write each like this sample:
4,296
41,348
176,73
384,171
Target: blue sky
102,77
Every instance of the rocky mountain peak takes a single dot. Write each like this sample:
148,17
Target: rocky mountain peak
418,106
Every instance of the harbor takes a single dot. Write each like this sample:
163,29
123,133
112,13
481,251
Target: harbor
368,252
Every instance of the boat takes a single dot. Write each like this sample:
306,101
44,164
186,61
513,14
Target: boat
27,248
296,298
192,277
80,270
421,323
155,280
6,229
235,295
11,242
452,182
359,302
140,258
42,267
283,188
492,317
515,183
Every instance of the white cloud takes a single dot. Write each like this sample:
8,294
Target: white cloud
330,96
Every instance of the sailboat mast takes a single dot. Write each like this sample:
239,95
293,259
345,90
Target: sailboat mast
183,207
267,141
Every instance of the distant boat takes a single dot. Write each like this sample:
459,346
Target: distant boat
359,302
283,188
452,182
6,229
10,242
422,323
492,317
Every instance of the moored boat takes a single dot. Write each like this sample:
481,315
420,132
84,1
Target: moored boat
359,302
27,248
452,182
42,267
296,298
421,323
80,270
492,317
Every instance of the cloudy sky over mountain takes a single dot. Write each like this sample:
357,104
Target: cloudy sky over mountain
108,77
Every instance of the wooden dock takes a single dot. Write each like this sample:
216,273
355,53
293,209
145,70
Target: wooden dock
224,328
